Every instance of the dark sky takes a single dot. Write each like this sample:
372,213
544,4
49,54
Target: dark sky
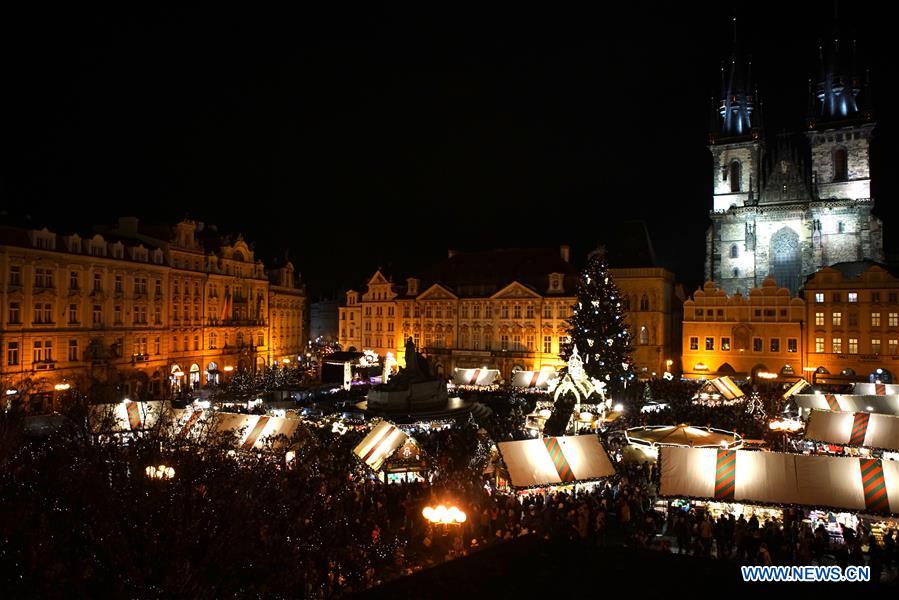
358,139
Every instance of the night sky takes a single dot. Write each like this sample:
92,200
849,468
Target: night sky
358,139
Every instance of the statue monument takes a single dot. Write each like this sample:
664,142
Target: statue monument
414,387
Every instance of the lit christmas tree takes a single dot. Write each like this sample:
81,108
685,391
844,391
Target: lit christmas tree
597,326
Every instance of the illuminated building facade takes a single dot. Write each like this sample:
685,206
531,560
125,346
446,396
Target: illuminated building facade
785,208
853,321
737,335
149,309
502,309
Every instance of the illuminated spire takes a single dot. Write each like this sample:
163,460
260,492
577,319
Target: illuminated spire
737,99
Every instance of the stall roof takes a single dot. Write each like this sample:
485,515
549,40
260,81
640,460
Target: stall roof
533,379
888,405
796,388
683,435
846,483
475,376
381,442
854,429
724,386
875,389
252,432
555,460
124,416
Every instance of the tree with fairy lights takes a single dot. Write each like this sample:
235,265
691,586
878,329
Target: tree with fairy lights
597,326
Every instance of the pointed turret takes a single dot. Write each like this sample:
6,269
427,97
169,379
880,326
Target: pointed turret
737,101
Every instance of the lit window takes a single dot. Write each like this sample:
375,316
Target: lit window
792,345
709,343
819,318
853,345
819,344
694,343
725,344
819,297
875,346
893,320
892,345
837,319
837,345
853,296
875,319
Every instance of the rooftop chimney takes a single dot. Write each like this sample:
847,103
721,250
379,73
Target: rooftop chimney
565,252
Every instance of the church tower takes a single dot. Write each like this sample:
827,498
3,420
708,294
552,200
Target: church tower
736,145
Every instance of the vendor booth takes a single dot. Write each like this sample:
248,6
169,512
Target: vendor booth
847,483
854,429
475,377
251,432
644,442
392,454
123,417
887,405
721,390
552,462
533,380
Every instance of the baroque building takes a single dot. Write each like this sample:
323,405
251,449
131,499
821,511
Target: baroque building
503,309
153,310
786,207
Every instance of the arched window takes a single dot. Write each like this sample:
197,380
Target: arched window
840,165
734,251
644,335
735,176
644,302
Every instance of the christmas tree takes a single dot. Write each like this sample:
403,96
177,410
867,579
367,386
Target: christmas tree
597,326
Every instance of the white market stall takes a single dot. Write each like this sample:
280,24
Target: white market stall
644,442
124,416
844,483
538,380
721,390
887,405
854,429
475,377
554,461
391,453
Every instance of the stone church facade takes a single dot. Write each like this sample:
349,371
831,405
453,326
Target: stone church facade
787,207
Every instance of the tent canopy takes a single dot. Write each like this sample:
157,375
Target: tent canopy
854,429
533,379
251,432
722,386
796,388
382,441
555,460
857,484
683,435
887,405
475,376
124,416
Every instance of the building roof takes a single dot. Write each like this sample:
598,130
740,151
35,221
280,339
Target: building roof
856,268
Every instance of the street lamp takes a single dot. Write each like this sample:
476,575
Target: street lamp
441,515
160,472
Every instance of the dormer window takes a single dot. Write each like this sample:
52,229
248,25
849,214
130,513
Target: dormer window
555,282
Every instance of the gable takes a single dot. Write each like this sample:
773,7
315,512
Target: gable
377,278
437,292
515,290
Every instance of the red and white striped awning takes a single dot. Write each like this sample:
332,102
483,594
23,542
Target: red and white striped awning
382,441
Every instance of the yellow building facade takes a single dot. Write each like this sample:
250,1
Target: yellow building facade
504,309
853,322
152,310
741,336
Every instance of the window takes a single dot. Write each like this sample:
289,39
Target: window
43,278
428,311
893,319
837,319
504,312
15,313
175,343
516,311
819,319
156,345
504,342
709,343
529,312
118,284
735,176
73,350
73,314
852,320
644,302
699,312
853,296
734,251
735,272
875,297
775,345
157,315
875,319
438,311
463,311
187,342
15,278
548,311
197,342
875,346
98,282
516,342
117,312
892,346
476,311
12,354
840,165
405,311
73,280
819,344
819,297
644,336
757,344
140,315
853,345
694,343
140,286
836,297
158,288
725,344
547,344
43,351
98,314
43,315
893,297
792,345
837,345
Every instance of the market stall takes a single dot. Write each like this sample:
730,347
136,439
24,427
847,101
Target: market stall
854,429
553,461
644,442
123,417
537,380
887,405
392,454
475,377
721,390
250,432
854,484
